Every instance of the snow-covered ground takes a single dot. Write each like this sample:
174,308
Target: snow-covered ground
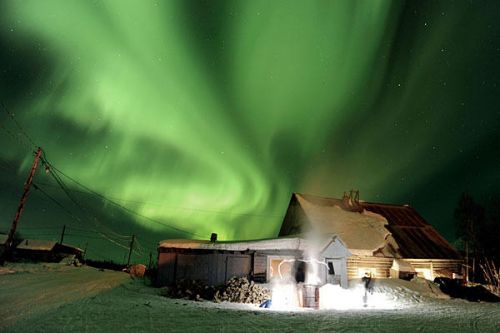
56,298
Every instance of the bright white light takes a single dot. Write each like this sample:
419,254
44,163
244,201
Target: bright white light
337,298
426,272
284,296
362,271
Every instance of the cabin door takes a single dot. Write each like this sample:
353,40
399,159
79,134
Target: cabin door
334,270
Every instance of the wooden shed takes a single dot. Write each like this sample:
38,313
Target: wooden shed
259,260
45,250
375,234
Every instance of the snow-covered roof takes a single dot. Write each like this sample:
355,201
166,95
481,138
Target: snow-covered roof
294,243
367,227
415,237
362,232
36,244
45,245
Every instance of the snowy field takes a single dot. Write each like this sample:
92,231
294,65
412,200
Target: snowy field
55,298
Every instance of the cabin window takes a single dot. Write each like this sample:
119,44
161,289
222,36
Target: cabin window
282,268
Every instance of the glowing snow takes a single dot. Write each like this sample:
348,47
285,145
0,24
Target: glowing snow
337,298
285,296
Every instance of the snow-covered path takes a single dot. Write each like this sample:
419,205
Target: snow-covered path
34,289
130,306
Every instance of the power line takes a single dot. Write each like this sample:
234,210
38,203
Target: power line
50,168
63,186
207,211
24,143
21,129
119,205
103,235
16,138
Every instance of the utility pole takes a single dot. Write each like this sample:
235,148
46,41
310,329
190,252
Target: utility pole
62,234
24,197
130,250
467,262
85,251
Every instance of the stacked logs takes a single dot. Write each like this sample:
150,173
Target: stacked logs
237,290
192,289
240,290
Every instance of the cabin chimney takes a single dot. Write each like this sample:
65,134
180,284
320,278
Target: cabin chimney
213,237
346,200
350,201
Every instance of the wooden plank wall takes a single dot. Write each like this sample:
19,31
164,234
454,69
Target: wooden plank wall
211,268
260,268
166,268
440,267
215,267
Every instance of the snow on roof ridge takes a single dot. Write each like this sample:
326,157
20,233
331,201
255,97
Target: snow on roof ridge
288,243
305,195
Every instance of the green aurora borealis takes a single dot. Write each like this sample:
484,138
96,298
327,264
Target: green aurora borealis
206,115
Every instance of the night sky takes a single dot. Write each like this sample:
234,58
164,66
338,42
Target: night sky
203,116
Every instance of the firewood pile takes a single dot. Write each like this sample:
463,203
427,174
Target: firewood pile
192,289
236,290
240,290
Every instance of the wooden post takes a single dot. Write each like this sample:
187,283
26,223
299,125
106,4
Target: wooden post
85,251
467,262
474,269
62,234
130,250
20,208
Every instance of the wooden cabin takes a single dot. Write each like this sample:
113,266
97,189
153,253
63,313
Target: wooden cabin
215,262
375,234
45,250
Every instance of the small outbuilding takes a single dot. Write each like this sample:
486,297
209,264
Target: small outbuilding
215,262
45,250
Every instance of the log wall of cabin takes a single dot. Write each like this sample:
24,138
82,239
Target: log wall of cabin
439,267
381,264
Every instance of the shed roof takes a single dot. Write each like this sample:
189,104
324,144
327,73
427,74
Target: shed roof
294,243
45,245
36,245
364,225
